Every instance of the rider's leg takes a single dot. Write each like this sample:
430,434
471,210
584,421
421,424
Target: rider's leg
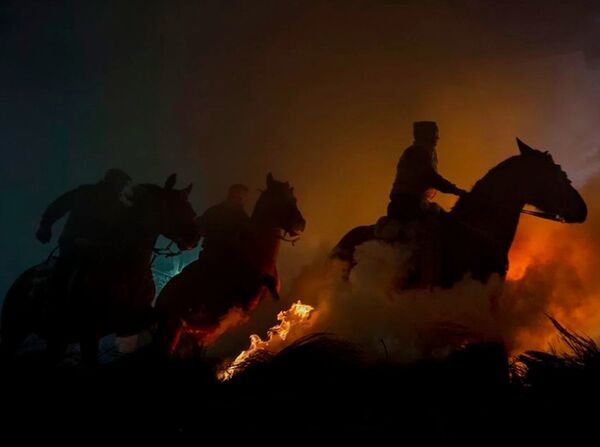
404,207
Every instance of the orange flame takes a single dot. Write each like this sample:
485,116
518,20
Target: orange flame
297,315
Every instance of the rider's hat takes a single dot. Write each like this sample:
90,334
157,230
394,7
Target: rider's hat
424,128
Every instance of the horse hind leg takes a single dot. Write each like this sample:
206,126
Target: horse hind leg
344,250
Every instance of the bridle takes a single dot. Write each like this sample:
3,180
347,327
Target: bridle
292,240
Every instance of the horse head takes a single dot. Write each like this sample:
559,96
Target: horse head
164,210
178,219
548,187
278,206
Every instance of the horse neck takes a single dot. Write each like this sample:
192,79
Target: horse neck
139,234
493,207
264,244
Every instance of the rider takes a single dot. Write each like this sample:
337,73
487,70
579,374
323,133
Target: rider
222,226
417,176
92,210
416,179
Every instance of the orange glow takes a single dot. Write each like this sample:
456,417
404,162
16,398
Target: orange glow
558,263
529,247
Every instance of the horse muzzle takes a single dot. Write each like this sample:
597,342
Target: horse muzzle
579,215
297,229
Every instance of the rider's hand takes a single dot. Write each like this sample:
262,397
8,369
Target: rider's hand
44,234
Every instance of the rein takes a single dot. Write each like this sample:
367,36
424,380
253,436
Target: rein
543,215
536,213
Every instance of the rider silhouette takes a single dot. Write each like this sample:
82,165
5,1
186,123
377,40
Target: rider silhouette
416,178
223,225
92,212
417,175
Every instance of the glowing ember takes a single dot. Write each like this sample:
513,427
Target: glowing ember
298,314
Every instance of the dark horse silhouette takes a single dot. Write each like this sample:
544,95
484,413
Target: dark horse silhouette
114,293
203,294
476,235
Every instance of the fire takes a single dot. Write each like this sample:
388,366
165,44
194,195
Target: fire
297,315
520,260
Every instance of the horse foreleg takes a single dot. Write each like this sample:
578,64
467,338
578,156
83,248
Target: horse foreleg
271,283
344,250
167,336
175,340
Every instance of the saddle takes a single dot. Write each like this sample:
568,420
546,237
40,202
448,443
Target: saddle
390,230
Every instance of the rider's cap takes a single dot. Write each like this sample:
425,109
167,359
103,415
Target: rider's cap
424,127
116,176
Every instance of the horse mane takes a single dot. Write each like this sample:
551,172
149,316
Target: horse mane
488,182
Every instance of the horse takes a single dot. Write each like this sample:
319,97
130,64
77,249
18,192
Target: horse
114,292
475,237
200,297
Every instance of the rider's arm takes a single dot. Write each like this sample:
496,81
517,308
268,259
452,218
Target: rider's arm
55,211
59,207
445,186
436,180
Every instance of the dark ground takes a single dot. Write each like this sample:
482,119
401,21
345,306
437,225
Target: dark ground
316,389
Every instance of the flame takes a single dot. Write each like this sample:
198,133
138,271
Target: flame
297,315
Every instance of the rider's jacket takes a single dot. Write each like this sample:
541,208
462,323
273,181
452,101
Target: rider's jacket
416,174
93,211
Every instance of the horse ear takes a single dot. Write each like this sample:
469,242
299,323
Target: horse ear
270,180
524,148
187,189
170,183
